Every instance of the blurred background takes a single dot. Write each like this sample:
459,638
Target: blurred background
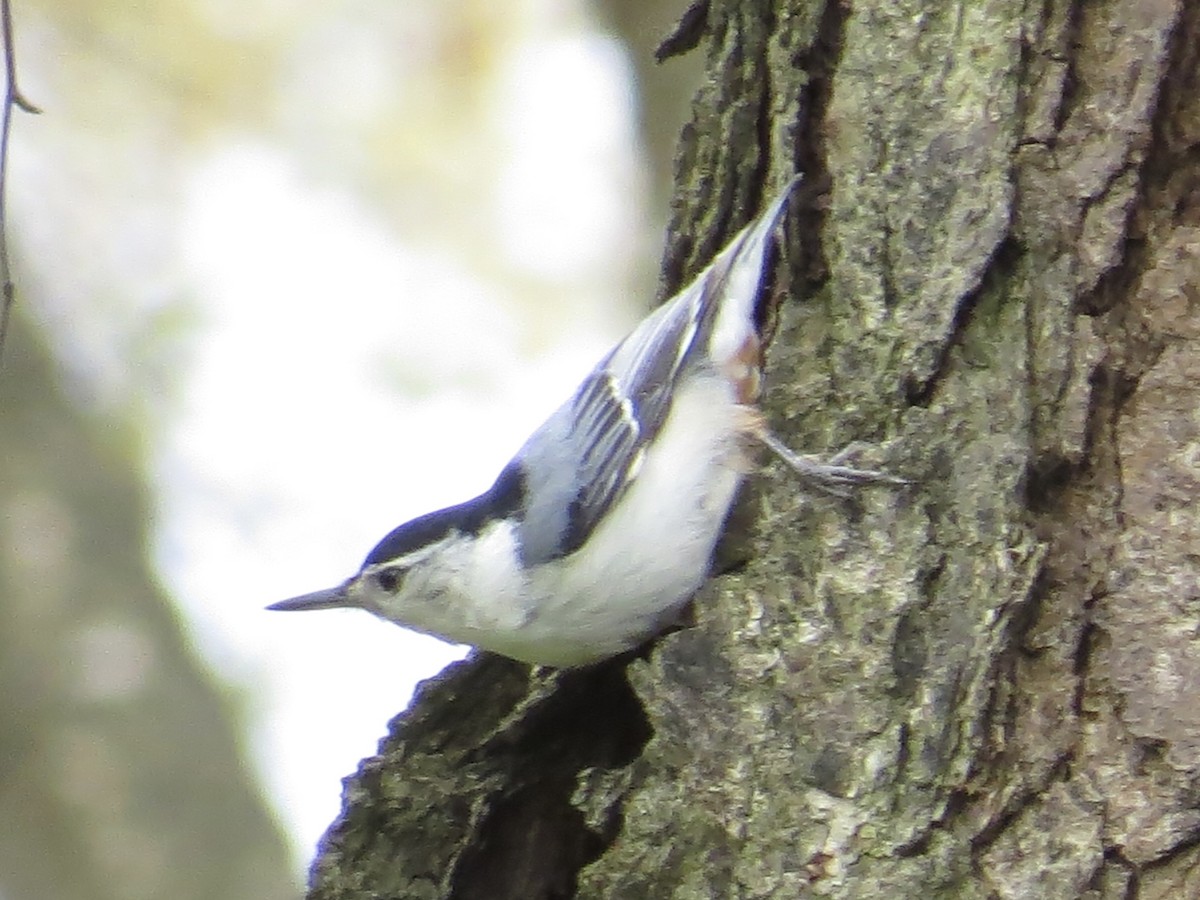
289,273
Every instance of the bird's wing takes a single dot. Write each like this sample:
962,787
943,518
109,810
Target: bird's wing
615,415
621,406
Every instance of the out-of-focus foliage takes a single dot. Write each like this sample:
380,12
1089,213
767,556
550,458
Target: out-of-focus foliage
120,772
428,110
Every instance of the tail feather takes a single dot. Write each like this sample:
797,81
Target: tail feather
734,279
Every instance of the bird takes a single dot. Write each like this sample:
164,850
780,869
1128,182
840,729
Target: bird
601,529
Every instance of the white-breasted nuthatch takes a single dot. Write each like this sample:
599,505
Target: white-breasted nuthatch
601,528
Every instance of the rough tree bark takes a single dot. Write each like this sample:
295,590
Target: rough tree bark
982,687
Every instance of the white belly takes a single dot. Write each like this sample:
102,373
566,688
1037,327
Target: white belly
651,553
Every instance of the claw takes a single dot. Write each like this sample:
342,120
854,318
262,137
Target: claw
831,477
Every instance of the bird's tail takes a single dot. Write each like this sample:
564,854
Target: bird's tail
733,280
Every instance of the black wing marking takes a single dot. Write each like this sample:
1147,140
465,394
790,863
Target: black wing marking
611,442
614,420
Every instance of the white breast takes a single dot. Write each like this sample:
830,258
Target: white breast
651,553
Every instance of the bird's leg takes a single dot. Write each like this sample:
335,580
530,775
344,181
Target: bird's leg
833,477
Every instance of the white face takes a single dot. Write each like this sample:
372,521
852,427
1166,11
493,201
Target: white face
462,588
411,590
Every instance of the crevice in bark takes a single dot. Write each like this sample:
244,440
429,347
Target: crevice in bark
532,846
1082,657
532,841
820,61
1004,259
956,803
1112,856
1050,478
1068,97
999,823
1158,169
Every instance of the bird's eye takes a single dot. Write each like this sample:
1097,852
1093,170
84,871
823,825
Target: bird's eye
387,579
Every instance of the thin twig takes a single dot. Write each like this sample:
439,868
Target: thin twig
13,99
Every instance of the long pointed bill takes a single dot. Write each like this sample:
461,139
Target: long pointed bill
330,598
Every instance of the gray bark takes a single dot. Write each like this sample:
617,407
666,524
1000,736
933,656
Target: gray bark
979,687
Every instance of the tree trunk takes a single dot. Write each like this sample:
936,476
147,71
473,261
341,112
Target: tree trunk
983,685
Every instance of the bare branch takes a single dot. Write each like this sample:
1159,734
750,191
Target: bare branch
13,98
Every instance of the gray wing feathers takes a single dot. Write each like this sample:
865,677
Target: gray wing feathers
590,450
616,417
611,440
587,454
